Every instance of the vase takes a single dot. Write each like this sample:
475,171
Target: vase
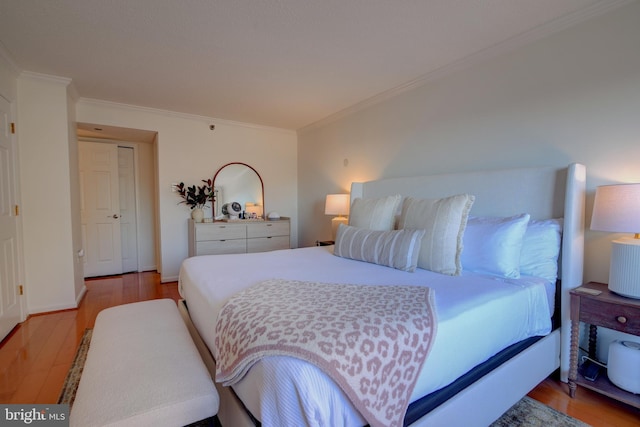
197,214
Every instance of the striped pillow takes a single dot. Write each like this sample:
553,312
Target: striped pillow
375,214
397,248
444,221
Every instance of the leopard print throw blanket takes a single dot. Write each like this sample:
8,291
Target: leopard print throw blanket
371,340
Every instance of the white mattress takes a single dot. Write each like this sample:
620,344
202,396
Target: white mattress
478,315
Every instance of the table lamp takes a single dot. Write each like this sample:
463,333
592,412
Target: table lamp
337,204
617,209
254,209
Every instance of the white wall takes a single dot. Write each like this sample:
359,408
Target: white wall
572,97
46,176
189,151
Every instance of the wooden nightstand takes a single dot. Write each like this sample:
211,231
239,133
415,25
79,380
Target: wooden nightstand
610,311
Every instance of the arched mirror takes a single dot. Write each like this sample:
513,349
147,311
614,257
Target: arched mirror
239,182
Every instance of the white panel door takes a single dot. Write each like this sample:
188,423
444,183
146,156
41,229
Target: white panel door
128,225
10,310
100,208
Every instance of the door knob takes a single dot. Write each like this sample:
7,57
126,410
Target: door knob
115,216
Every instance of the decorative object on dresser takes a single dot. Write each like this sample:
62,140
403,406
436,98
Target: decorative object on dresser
617,209
196,197
253,210
337,204
237,237
595,305
232,210
236,185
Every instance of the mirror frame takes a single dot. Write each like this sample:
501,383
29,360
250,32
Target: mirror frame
264,211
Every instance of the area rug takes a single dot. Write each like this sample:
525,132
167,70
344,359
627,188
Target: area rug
526,413
68,393
531,413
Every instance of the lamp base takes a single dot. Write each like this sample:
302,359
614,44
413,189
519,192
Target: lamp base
624,275
335,223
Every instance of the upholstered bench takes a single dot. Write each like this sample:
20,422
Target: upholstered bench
143,369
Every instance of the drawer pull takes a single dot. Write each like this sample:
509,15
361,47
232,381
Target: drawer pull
269,225
621,319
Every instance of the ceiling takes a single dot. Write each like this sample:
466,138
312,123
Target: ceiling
281,63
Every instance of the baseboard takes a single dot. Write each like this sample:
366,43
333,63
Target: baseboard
83,291
52,308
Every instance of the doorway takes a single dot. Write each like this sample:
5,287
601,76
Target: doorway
118,206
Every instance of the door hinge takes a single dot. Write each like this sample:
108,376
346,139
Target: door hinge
16,210
13,127
20,290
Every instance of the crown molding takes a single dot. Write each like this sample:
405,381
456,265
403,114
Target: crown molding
45,77
496,50
168,113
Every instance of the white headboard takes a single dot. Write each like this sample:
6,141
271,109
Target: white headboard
541,192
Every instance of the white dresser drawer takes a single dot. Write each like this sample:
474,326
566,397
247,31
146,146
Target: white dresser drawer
265,244
238,237
216,231
267,229
217,247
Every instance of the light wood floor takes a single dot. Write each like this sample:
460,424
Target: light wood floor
35,357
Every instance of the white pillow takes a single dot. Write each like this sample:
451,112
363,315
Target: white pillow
492,245
541,249
397,248
444,221
374,214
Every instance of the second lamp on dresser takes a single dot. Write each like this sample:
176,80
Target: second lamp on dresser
237,237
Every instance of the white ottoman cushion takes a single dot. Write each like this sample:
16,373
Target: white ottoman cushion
143,369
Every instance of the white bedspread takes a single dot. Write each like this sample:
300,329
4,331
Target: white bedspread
477,317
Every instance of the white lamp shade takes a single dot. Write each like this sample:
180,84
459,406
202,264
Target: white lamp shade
337,204
617,208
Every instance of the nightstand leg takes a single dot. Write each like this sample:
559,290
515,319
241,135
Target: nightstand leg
573,357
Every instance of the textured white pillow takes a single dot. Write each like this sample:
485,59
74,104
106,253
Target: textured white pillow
374,214
444,221
492,245
541,249
397,248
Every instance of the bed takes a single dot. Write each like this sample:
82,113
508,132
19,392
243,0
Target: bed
454,385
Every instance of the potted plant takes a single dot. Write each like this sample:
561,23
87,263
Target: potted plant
196,197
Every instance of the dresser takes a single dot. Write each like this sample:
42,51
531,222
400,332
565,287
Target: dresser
238,237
